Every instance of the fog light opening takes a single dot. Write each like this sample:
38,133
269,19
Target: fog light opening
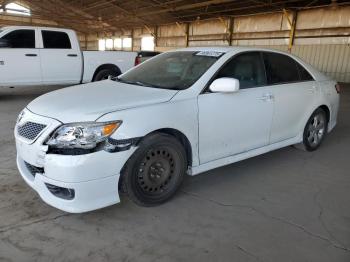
61,192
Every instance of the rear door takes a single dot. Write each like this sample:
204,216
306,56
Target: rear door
61,59
293,89
20,60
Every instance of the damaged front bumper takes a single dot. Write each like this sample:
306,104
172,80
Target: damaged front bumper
72,183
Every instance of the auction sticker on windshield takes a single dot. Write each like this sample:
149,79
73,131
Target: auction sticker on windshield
209,53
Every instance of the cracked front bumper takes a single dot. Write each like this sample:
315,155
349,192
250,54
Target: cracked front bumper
89,195
94,177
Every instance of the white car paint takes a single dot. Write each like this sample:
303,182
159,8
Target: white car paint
244,106
55,66
222,128
80,101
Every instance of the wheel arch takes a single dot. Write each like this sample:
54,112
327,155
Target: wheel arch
181,137
326,109
106,66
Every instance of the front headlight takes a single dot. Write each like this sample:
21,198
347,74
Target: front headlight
85,135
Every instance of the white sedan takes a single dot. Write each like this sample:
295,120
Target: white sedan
185,111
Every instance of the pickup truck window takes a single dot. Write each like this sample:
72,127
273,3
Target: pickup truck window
56,40
24,38
173,70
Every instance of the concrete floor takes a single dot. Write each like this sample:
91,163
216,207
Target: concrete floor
287,205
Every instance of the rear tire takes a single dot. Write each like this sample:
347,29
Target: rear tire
105,73
155,171
315,130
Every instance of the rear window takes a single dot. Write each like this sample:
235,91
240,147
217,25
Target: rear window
304,75
280,69
56,40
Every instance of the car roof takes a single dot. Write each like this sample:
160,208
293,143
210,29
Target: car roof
227,49
223,49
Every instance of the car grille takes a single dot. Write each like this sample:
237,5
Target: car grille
30,130
34,169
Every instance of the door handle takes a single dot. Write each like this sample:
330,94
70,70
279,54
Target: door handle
267,97
72,55
31,55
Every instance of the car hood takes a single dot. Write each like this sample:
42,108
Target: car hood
90,101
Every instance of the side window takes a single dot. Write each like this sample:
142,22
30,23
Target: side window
304,75
23,38
280,69
248,68
56,40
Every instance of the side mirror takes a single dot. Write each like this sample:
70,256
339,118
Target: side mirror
4,43
224,85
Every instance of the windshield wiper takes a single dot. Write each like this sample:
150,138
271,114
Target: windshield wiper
123,81
149,85
139,83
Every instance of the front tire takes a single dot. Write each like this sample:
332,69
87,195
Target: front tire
155,171
315,130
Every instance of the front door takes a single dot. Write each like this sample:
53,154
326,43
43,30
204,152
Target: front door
232,123
19,59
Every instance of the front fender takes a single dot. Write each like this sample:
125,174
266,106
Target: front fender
138,122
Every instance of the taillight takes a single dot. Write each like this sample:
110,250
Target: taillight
337,87
137,60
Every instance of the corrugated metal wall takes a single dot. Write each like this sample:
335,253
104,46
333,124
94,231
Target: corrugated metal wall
322,36
333,60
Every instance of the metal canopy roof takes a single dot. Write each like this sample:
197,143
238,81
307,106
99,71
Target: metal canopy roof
112,15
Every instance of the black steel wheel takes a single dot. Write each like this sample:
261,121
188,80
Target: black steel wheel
155,171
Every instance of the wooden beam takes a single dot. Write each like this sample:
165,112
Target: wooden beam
186,31
230,30
132,40
77,10
156,36
185,7
237,8
292,24
149,31
292,31
62,22
187,34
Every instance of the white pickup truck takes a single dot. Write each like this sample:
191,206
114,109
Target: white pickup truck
52,56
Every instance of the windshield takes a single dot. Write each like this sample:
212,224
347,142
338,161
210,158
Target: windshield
173,70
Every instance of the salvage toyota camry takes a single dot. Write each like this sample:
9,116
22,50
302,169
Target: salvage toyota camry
182,112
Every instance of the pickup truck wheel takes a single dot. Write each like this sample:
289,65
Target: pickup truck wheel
155,171
315,130
105,73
